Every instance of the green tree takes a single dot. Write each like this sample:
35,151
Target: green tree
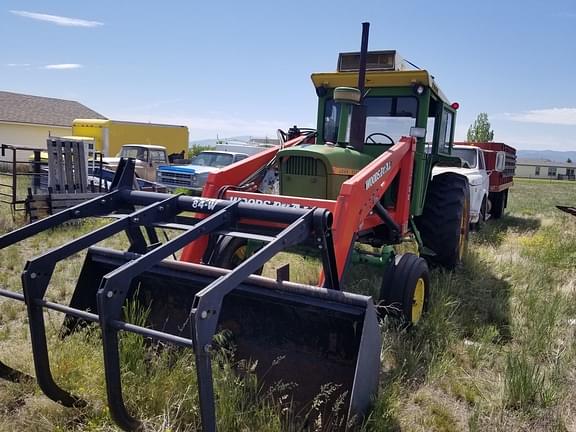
480,130
568,160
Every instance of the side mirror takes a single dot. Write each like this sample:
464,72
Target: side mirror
418,132
500,161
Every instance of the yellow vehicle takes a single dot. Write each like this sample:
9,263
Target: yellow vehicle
110,135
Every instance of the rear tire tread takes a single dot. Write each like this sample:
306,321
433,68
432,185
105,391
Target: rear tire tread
440,224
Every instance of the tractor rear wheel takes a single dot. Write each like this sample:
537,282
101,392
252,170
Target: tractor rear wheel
230,252
405,288
445,220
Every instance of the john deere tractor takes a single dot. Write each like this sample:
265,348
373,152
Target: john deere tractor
381,126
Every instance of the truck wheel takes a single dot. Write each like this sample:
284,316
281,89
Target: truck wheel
230,252
445,220
498,204
405,288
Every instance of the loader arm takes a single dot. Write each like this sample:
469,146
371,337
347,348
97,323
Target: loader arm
355,206
353,210
238,172
233,174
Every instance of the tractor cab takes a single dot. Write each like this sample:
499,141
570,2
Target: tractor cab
354,127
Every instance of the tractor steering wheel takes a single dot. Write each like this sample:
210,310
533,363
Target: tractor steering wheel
370,138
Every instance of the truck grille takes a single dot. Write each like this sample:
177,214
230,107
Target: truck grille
304,166
177,179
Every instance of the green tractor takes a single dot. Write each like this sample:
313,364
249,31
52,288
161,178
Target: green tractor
358,154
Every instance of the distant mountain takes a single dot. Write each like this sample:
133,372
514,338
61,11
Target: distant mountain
211,142
203,143
553,155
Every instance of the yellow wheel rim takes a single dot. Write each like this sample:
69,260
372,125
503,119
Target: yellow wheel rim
418,300
240,254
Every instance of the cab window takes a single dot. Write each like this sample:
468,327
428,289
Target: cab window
157,156
446,131
134,153
393,116
481,162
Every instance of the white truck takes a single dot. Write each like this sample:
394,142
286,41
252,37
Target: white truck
487,189
474,169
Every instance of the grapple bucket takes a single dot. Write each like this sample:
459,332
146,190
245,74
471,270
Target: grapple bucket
303,335
297,334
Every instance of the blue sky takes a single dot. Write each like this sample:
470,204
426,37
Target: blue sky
243,68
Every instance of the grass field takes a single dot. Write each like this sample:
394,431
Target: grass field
495,352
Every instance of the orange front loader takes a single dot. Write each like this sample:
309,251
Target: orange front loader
357,208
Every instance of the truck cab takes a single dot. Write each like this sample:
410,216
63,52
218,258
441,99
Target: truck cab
473,167
148,159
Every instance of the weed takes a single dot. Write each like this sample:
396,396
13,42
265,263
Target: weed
527,385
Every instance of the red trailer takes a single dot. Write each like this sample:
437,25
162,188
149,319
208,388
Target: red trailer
500,161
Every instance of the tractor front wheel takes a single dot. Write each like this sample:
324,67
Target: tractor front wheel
445,220
230,252
405,288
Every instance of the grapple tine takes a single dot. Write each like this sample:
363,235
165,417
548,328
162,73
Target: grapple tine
10,374
570,210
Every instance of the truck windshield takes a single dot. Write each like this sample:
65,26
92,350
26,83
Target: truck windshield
212,159
134,153
467,155
393,116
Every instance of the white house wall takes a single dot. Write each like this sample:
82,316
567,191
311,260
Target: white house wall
25,135
529,171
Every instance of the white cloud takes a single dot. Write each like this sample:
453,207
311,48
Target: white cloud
63,66
18,64
58,20
557,116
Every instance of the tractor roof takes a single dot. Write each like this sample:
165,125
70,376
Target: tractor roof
378,79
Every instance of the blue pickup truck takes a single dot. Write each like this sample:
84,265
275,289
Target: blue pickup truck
194,175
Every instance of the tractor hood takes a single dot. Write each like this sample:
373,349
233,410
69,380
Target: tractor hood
318,171
334,157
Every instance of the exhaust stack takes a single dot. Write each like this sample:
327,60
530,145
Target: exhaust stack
358,123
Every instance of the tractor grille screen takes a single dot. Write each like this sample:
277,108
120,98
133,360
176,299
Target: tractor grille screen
303,166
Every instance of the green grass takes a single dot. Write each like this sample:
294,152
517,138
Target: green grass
495,352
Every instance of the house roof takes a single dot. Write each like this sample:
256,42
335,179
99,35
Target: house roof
544,163
21,108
